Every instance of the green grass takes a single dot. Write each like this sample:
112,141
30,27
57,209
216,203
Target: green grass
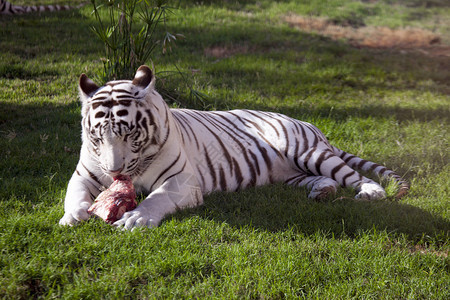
267,242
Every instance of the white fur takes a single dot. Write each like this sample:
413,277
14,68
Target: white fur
323,188
370,191
189,153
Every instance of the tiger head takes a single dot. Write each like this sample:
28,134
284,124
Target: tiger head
123,123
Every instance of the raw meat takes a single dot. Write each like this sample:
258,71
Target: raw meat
112,203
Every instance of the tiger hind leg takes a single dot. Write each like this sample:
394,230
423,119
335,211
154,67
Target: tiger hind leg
320,186
323,162
333,166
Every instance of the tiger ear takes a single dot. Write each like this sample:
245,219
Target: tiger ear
144,77
87,87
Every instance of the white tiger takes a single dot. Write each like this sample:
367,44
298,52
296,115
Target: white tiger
175,156
8,8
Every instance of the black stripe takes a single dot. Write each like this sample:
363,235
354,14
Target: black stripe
165,171
308,156
225,151
138,117
99,114
88,121
254,113
304,140
102,92
124,102
92,175
255,160
373,166
144,164
296,125
180,133
132,164
122,91
362,163
151,120
277,152
344,178
314,132
322,157
161,144
238,173
336,169
201,177
96,104
296,156
292,178
99,99
175,174
122,113
223,180
265,156
209,116
128,98
256,142
108,104
183,120
254,124
286,137
212,172
300,179
349,158
360,178
243,151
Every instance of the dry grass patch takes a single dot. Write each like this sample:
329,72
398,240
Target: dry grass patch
424,250
373,37
226,51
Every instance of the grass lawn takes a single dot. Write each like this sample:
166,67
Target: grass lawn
391,106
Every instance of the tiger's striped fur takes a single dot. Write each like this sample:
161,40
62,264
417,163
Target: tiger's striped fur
177,155
8,8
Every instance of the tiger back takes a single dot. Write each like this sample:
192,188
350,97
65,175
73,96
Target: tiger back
175,156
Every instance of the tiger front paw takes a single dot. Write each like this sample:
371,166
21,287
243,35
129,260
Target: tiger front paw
136,218
76,215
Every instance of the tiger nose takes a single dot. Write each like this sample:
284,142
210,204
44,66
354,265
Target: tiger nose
116,171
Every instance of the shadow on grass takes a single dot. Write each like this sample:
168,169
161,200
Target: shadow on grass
32,36
279,208
58,35
294,48
13,71
39,148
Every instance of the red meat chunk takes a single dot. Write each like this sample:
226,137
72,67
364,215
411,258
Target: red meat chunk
112,203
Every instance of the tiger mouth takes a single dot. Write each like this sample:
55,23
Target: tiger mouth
122,177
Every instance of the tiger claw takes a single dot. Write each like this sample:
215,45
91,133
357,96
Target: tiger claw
133,219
